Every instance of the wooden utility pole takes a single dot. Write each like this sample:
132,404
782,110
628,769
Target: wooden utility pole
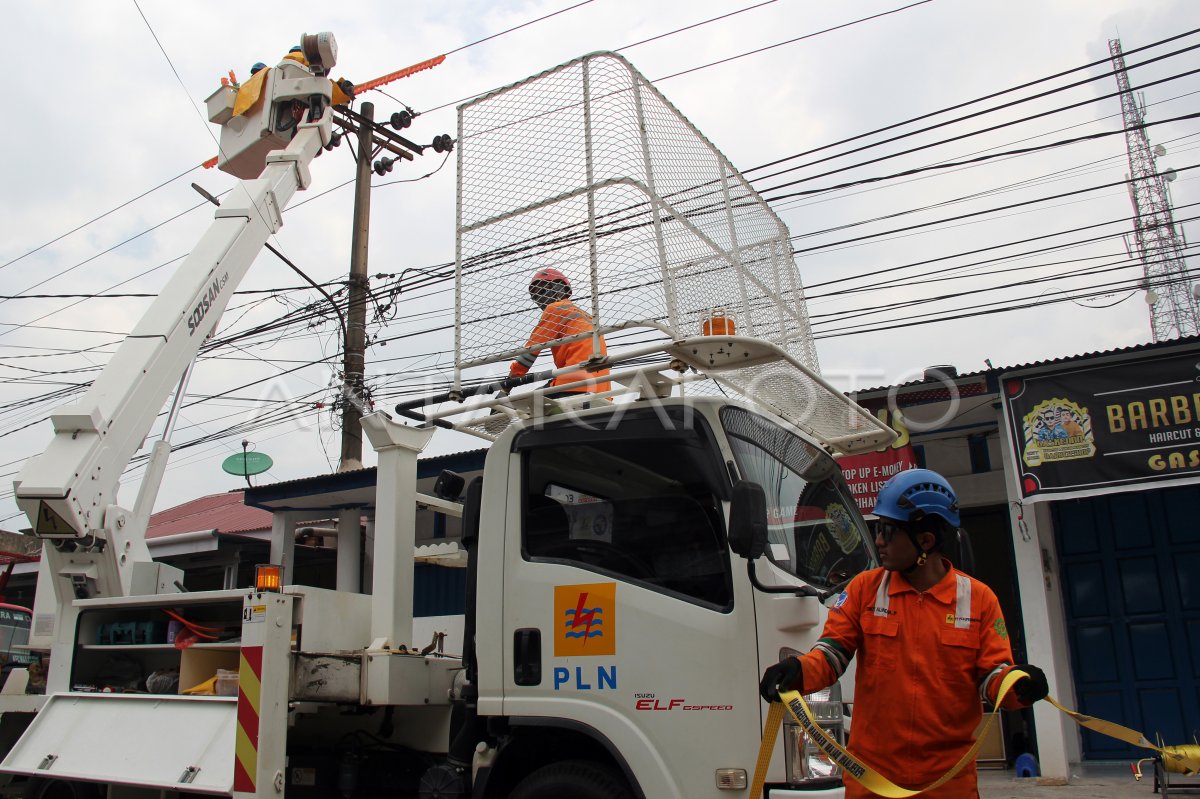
354,362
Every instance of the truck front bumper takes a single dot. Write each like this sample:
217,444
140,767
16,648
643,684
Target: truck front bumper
836,792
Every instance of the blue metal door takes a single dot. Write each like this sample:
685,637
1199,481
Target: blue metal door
1130,566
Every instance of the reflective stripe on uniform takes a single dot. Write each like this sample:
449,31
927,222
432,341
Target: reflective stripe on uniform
987,680
834,653
526,359
962,602
881,595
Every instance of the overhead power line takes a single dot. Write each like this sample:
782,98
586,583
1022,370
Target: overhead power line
971,134
516,27
97,218
721,61
972,214
794,40
984,98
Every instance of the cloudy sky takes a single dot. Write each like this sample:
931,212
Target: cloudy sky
105,130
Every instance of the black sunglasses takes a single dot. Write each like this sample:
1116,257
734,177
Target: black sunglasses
887,530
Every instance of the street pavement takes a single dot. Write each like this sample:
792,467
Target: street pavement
1102,781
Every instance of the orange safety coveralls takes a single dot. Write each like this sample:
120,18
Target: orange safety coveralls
562,319
925,661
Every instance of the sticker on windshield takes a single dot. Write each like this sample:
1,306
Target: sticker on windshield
841,524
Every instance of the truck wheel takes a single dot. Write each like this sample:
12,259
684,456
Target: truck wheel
578,779
38,788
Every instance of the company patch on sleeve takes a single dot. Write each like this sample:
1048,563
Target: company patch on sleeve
841,600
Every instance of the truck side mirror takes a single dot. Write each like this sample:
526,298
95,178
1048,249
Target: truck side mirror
748,520
472,510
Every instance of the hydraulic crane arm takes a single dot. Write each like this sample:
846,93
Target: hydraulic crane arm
69,491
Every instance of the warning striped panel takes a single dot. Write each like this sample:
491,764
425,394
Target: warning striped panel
245,768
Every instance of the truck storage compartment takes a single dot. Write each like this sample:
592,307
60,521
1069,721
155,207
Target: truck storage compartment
156,645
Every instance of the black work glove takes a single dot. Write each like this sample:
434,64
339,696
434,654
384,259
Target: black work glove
786,675
1033,687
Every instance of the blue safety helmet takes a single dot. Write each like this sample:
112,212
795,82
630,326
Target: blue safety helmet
916,493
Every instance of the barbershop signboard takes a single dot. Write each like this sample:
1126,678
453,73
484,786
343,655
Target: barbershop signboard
1097,430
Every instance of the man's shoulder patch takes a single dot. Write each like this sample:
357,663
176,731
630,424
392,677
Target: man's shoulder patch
841,600
1001,630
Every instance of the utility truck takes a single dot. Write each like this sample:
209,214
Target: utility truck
618,614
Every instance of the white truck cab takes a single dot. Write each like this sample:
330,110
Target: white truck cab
615,625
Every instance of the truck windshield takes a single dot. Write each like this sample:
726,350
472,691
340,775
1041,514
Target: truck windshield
815,529
637,498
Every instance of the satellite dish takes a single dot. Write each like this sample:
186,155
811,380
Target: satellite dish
1170,175
1196,291
1160,150
1151,297
247,463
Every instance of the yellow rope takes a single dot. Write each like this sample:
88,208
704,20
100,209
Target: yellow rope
1178,759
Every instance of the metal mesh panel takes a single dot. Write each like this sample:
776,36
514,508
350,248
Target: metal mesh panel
588,169
809,405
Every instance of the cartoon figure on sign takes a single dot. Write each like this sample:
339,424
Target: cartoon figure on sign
585,617
1047,425
1065,424
1057,429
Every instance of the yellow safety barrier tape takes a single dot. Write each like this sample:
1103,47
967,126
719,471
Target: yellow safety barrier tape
1178,759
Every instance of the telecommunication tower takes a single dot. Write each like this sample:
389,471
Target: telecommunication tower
1159,245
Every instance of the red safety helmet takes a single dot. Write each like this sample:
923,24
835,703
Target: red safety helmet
549,274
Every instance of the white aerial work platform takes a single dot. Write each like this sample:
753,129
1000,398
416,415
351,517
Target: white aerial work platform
617,614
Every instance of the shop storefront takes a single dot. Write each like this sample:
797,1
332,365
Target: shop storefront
1112,446
1079,480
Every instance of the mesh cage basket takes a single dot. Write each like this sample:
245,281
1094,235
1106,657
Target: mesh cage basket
588,169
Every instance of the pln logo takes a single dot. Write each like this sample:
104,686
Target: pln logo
586,618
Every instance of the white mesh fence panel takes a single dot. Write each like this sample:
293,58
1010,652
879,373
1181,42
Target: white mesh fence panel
658,227
588,169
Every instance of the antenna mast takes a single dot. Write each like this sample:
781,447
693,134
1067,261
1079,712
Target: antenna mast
1173,310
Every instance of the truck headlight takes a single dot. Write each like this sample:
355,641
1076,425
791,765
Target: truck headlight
804,760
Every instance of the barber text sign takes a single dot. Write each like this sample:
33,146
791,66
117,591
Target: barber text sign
1109,428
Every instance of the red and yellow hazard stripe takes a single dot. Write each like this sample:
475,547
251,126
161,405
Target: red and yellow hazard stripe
245,766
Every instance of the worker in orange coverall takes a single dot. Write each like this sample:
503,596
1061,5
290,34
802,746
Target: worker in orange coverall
930,643
551,290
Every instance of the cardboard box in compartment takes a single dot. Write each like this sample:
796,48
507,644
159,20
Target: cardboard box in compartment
198,665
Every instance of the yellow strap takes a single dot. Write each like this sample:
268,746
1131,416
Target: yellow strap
1180,759
872,780
1184,760
766,748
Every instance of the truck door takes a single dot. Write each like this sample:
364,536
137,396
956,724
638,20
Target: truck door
622,612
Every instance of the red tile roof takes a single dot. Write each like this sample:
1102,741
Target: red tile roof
224,513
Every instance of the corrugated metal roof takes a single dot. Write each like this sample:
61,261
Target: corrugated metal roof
367,473
1065,359
225,513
